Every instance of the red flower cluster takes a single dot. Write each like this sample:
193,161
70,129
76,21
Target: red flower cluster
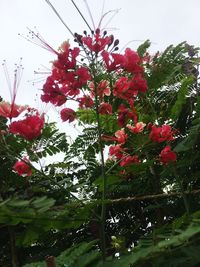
22,168
66,78
29,128
124,114
128,89
124,159
163,133
167,156
129,62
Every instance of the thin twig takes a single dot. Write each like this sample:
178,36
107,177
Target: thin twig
149,197
58,15
81,15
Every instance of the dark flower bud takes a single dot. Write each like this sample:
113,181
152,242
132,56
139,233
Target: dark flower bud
85,32
97,31
111,40
104,33
116,42
79,38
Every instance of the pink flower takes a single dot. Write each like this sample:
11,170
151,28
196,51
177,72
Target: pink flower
10,110
167,155
68,114
128,160
163,133
96,43
138,128
29,128
22,168
121,136
105,108
103,88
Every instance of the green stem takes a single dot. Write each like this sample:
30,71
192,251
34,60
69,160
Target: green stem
103,205
185,199
14,257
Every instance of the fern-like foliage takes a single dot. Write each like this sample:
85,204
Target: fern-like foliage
80,255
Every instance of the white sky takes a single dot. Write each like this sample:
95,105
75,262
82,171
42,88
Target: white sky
164,22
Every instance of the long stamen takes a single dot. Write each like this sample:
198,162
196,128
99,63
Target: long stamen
58,15
115,11
102,10
7,76
90,14
81,15
37,39
44,72
129,42
18,72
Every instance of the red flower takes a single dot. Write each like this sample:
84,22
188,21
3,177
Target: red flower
67,57
96,43
22,168
163,133
83,76
68,114
132,61
113,63
167,155
52,93
138,128
116,151
105,108
128,160
29,128
10,110
138,84
85,101
121,88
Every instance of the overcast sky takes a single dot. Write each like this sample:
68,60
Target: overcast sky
164,22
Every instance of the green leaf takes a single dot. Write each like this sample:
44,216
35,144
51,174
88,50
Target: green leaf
143,48
181,97
111,180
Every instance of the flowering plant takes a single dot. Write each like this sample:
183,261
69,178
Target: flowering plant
137,134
